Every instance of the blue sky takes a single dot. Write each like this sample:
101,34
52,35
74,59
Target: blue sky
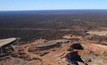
52,4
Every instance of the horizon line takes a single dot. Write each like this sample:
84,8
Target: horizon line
52,9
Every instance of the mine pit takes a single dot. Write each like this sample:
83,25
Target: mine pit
77,46
87,54
73,58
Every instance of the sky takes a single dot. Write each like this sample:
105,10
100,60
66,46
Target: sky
6,5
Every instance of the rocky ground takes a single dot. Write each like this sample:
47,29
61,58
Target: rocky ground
75,52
